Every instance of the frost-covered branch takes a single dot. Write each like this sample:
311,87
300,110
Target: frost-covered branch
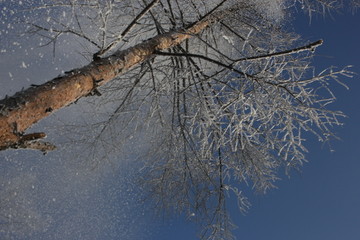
27,107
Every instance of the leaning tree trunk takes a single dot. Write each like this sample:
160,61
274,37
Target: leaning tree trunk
25,108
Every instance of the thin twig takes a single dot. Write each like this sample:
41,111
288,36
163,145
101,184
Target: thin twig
127,29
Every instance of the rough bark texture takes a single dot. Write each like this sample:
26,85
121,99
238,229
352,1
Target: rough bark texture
21,111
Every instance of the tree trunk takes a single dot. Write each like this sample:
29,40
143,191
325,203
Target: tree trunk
25,108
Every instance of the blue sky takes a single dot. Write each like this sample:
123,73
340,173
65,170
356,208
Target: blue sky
320,202
323,200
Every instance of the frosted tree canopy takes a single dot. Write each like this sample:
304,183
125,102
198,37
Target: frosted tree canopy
206,97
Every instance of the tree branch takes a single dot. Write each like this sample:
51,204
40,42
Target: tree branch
27,107
127,29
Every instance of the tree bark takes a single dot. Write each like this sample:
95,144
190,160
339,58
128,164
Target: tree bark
25,108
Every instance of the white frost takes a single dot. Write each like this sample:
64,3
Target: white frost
23,65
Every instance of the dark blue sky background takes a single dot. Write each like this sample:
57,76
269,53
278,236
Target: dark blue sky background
323,200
